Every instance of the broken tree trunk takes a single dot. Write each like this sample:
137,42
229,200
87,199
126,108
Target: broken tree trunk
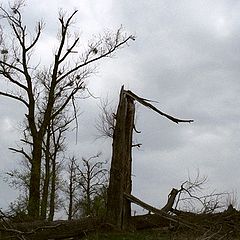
118,207
171,199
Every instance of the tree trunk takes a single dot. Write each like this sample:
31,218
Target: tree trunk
53,191
34,191
88,193
171,199
45,193
70,206
119,208
71,191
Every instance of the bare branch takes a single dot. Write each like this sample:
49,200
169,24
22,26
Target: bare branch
14,97
192,188
11,66
9,77
106,54
18,232
69,50
22,152
39,29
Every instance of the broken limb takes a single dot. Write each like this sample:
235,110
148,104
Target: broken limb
146,103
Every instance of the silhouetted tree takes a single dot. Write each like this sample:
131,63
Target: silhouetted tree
47,91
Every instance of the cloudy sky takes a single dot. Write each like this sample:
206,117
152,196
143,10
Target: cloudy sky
187,57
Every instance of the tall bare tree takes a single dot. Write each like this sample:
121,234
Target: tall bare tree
47,91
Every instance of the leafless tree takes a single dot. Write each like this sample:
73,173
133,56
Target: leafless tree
86,186
71,188
53,154
47,91
92,177
106,120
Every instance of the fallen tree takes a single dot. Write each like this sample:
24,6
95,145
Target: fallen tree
224,225
42,230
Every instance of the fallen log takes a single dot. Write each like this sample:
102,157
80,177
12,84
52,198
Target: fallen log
51,230
159,212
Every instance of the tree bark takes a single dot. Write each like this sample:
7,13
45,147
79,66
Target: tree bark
171,199
34,191
53,191
70,206
45,193
118,207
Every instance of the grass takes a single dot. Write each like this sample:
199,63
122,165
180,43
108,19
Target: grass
144,235
140,235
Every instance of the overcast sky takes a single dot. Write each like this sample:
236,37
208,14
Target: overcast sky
187,57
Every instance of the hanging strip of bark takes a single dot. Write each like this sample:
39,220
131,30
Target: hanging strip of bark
145,102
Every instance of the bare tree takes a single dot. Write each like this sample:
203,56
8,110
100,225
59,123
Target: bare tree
86,186
46,92
71,188
106,120
53,154
54,151
92,177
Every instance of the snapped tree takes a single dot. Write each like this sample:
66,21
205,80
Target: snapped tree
120,181
46,91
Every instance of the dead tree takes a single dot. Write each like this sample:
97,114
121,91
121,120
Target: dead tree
118,206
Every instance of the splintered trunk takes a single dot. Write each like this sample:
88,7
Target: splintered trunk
171,199
34,190
120,186
119,208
